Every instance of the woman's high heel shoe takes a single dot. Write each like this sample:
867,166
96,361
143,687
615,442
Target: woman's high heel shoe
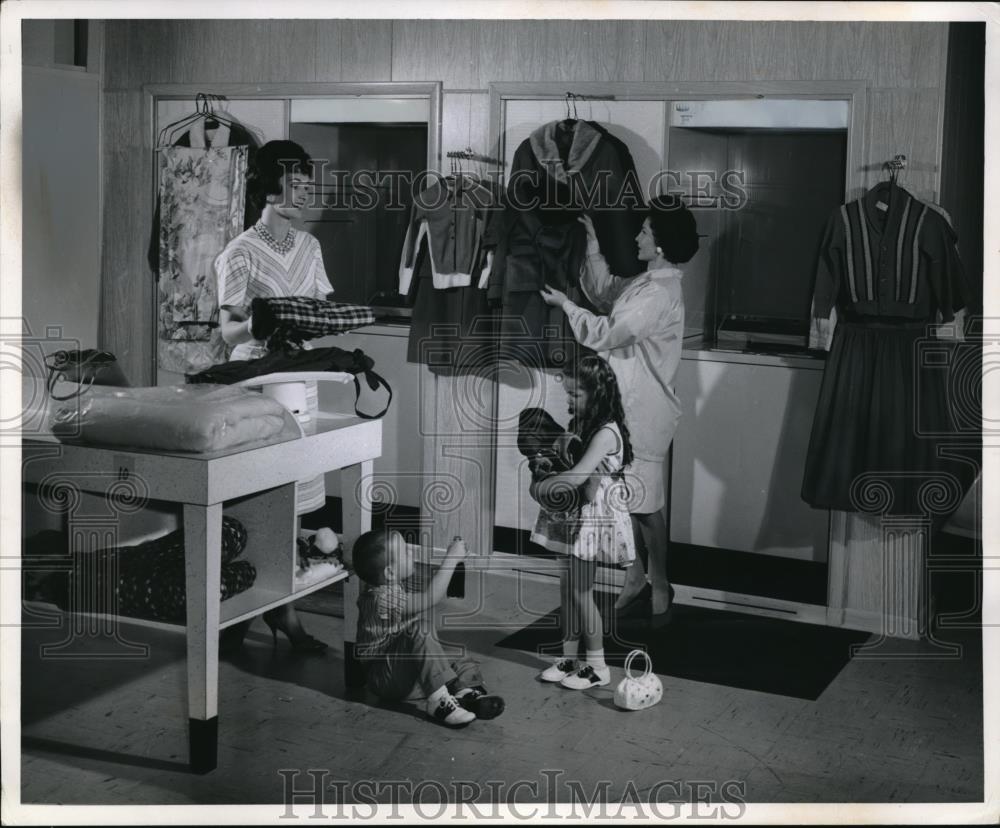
660,620
636,606
301,642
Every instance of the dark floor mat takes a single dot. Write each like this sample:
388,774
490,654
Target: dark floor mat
750,652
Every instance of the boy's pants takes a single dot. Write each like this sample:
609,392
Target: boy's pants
413,665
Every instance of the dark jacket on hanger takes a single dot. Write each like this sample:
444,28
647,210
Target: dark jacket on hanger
558,173
238,136
561,171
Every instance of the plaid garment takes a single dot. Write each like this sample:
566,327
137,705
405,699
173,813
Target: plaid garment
380,617
293,319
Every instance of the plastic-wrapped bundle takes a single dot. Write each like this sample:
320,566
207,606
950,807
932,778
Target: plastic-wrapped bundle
200,418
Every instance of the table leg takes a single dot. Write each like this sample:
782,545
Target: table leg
355,488
203,566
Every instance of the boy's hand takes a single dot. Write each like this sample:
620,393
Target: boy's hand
457,549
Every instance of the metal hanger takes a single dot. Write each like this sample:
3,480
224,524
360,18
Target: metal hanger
894,167
203,109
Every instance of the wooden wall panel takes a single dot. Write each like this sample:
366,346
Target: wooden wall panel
126,283
773,51
918,51
479,130
561,51
365,50
465,123
456,123
246,51
907,122
122,46
888,55
439,50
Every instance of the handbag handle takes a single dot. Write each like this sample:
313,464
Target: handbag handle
58,363
631,657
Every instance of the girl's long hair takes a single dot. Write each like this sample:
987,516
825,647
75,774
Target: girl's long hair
604,403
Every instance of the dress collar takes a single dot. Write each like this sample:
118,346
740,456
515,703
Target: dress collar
896,200
670,272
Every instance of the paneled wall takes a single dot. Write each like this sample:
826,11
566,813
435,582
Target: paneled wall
903,63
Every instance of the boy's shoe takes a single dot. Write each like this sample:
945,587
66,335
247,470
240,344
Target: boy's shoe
477,700
558,671
449,712
587,676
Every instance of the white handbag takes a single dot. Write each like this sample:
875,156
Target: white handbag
638,692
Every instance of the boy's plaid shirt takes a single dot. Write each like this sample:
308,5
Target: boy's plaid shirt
380,616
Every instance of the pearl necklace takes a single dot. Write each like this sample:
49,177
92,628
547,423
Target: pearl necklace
277,246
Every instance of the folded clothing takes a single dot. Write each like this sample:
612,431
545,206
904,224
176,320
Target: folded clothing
284,319
150,576
169,418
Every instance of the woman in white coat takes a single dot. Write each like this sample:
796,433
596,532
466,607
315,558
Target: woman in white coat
640,332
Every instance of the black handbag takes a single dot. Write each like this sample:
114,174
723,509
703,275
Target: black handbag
85,368
355,362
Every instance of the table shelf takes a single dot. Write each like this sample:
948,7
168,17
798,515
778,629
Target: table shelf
256,484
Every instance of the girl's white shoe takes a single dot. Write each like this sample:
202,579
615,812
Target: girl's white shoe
558,671
587,676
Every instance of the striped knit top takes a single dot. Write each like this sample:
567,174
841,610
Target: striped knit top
254,266
889,254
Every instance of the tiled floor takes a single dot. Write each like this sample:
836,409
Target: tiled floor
905,729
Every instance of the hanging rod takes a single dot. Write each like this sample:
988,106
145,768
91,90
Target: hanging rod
580,97
468,154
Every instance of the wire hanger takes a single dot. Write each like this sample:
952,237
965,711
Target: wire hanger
204,109
894,167
570,119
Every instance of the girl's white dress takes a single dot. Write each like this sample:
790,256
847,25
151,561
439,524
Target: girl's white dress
600,529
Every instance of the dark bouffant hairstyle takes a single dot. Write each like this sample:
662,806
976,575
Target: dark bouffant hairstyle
271,163
604,403
370,556
674,228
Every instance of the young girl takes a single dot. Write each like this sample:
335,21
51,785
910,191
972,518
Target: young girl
584,515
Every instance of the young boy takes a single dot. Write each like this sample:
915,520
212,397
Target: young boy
396,641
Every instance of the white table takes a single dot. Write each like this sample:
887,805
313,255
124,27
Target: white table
254,483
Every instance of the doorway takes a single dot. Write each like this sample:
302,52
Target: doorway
363,201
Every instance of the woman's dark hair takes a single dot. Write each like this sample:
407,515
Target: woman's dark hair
272,162
604,403
674,228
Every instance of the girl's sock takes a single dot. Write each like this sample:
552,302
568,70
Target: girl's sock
595,658
571,649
